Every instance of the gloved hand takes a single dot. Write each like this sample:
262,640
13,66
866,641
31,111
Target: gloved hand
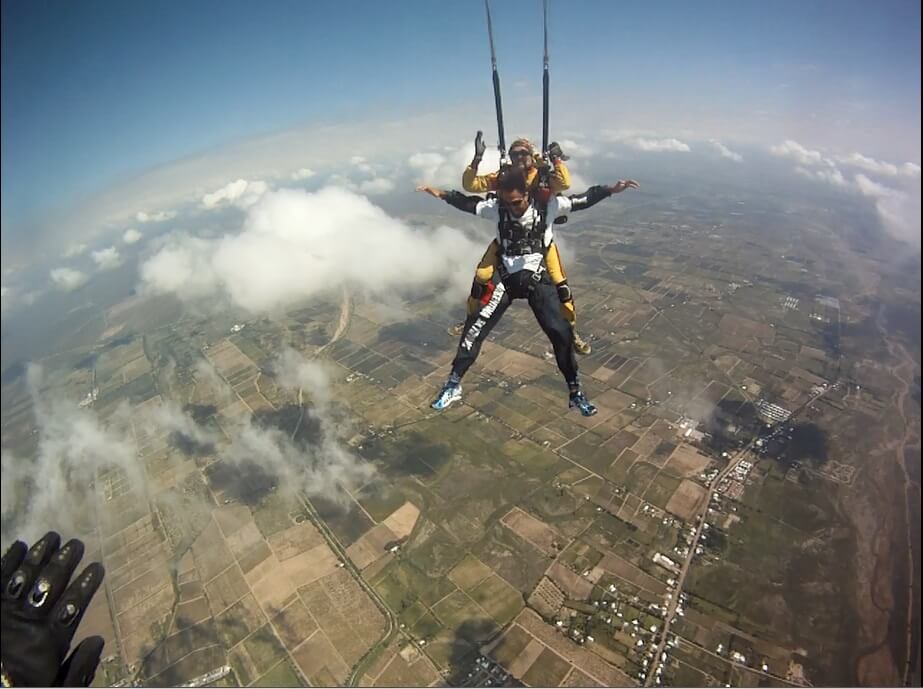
479,145
555,152
39,614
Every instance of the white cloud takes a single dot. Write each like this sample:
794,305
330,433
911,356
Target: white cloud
295,244
828,175
240,193
879,167
54,489
67,278
575,149
658,145
302,174
75,250
726,152
898,209
131,236
378,185
12,298
160,216
800,154
107,258
446,169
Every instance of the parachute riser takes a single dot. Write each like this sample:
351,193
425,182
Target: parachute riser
498,103
545,82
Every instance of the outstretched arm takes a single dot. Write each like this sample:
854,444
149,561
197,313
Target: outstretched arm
595,194
469,204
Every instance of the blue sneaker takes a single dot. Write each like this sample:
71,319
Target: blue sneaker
451,392
579,400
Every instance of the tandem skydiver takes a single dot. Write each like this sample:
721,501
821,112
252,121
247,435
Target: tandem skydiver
524,233
538,172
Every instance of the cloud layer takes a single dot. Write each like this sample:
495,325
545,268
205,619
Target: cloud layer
295,244
897,203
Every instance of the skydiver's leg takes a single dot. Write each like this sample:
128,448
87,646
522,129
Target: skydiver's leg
482,276
546,307
479,324
475,330
565,296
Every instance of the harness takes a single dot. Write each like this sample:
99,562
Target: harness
516,239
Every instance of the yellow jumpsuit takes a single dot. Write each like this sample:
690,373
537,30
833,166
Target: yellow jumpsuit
560,181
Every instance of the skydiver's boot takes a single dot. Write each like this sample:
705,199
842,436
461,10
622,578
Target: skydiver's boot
579,400
451,392
580,345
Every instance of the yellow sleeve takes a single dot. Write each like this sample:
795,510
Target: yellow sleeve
478,184
560,177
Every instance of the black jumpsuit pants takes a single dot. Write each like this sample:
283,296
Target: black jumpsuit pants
543,300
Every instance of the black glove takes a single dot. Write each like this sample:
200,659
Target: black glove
479,145
40,614
555,152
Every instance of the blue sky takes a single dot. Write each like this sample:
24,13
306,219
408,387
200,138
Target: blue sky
94,92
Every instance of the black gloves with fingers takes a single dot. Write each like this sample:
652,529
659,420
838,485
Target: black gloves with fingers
41,613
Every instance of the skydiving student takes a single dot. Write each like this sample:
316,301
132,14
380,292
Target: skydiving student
524,234
523,155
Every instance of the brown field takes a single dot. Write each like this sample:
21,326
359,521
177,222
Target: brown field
232,518
370,546
588,662
469,572
629,508
399,673
310,565
579,679
294,624
533,530
157,606
226,589
686,461
139,589
508,647
294,540
521,663
647,443
241,540
240,620
686,499
512,363
548,670
273,591
211,553
547,598
254,556
571,583
625,570
403,519
189,614
317,654
498,598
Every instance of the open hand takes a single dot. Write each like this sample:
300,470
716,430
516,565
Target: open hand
432,191
42,609
622,185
